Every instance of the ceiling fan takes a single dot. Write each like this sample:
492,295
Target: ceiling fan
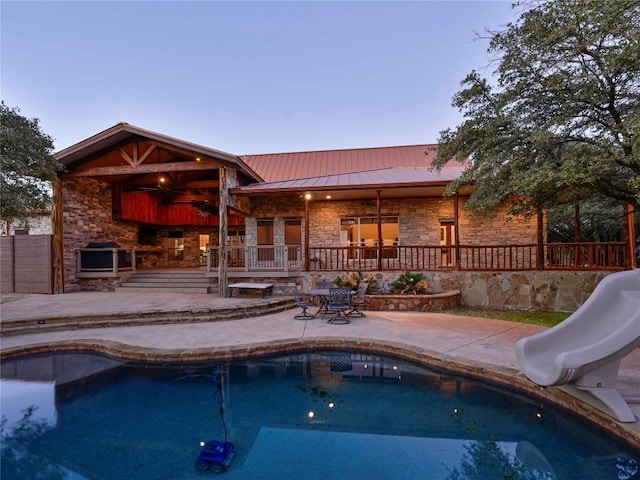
205,207
160,187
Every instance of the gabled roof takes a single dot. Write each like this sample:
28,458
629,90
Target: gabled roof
286,166
384,177
123,132
401,182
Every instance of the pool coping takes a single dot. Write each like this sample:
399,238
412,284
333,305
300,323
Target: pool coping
494,376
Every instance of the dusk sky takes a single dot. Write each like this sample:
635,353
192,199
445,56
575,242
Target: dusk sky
246,77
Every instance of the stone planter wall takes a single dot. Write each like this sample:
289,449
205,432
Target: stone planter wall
414,303
553,290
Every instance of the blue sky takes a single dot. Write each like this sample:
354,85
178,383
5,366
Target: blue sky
246,77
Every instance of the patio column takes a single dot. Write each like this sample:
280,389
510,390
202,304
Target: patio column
307,197
456,227
57,226
223,281
630,234
576,223
540,241
576,234
379,215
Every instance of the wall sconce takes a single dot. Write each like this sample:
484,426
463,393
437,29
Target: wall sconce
307,196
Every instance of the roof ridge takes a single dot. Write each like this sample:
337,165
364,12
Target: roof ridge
340,149
351,172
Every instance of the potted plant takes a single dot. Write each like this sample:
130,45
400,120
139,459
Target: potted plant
410,284
353,279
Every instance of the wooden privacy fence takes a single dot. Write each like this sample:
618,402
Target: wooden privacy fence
26,264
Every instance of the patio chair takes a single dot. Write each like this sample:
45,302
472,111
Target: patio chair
304,303
339,301
358,300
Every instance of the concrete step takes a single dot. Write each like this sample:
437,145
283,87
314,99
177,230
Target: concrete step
168,281
151,288
53,322
166,273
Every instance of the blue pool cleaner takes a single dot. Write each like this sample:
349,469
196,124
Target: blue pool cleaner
215,455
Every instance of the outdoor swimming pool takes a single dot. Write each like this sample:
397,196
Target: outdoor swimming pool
321,415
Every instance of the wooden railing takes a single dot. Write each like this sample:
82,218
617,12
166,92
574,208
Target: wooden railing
587,256
425,258
258,258
566,256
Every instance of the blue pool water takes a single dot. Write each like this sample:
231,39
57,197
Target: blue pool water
323,415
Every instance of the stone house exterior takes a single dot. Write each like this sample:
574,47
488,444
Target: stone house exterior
293,218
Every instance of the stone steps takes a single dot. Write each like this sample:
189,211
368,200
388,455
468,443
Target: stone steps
46,323
168,281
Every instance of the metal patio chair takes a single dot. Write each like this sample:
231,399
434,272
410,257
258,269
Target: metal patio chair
358,301
339,301
304,303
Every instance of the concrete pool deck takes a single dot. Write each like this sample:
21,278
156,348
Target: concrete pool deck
183,327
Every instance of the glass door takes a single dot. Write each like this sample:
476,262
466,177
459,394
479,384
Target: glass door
175,246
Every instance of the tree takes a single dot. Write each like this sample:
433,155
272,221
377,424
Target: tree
562,122
600,220
28,166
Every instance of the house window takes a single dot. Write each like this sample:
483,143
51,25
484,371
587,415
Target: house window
293,237
447,241
363,232
175,245
265,240
236,241
204,239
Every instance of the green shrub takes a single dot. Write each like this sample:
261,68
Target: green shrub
410,284
353,279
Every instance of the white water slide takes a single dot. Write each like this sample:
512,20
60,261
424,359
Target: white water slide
582,354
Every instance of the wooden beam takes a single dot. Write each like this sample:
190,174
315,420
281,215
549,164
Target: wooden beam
140,169
306,234
199,184
57,224
146,154
379,220
135,161
540,241
223,233
456,227
630,237
127,158
576,222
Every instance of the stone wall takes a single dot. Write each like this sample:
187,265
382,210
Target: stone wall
87,217
535,290
414,303
419,220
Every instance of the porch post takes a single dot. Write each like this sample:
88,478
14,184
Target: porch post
576,223
630,233
223,281
57,226
576,233
306,232
540,239
379,215
456,226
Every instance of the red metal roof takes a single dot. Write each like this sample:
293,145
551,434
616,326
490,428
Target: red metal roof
395,177
296,165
